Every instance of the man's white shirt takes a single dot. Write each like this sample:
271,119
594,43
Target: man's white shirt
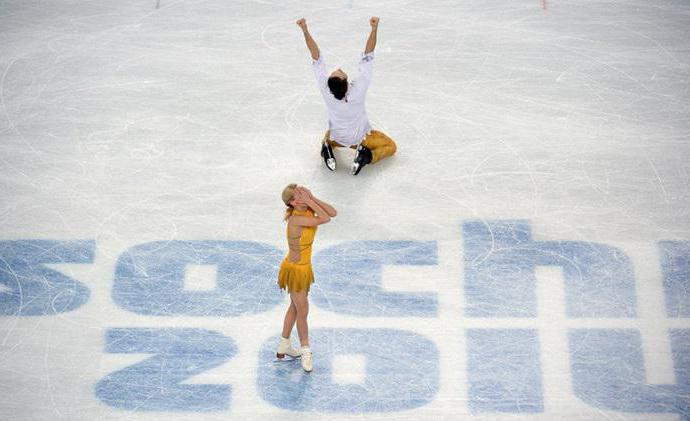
347,118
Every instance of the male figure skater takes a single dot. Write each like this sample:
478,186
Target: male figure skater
348,124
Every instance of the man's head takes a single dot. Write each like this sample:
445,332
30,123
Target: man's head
337,83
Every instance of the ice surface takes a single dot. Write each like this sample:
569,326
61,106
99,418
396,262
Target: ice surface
525,255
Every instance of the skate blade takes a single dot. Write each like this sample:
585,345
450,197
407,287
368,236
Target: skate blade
330,164
281,357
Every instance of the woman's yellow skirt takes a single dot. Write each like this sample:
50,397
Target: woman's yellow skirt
295,277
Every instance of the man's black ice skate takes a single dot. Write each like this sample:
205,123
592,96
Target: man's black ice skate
328,157
362,158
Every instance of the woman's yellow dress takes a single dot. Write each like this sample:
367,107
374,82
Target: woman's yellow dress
298,276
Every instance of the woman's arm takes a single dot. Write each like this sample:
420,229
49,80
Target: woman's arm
320,217
320,213
328,208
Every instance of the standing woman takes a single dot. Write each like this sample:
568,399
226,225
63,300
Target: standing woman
304,213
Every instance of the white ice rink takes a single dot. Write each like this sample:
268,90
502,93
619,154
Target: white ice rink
524,256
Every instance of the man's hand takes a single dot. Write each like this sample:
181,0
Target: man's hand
371,41
311,44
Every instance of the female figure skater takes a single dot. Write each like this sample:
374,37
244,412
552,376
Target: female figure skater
304,213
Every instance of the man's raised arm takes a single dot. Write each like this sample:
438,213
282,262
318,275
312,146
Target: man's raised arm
371,42
311,44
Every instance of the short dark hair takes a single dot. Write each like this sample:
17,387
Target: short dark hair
337,86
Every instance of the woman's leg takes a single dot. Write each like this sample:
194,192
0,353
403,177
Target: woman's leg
301,303
289,322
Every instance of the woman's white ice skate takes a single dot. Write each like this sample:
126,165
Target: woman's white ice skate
285,348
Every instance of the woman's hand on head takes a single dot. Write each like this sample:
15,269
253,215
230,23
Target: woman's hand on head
305,191
299,196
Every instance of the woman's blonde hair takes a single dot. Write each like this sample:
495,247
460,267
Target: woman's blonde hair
288,195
